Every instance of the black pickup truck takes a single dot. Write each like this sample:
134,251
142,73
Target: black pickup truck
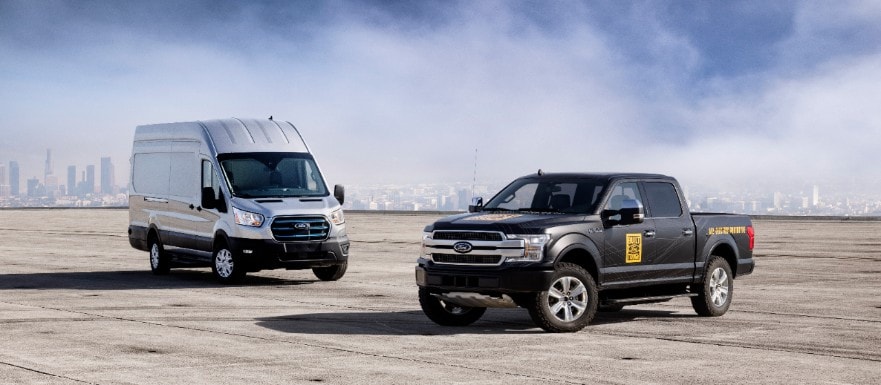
565,246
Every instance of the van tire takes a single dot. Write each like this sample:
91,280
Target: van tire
331,273
716,289
226,265
160,262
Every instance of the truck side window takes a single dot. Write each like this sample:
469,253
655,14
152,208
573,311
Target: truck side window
663,200
620,192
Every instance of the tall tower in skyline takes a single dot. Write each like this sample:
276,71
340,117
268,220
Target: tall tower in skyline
4,184
48,170
14,179
816,201
90,179
107,180
71,180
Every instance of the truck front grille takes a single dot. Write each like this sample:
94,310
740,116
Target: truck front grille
467,259
467,236
289,229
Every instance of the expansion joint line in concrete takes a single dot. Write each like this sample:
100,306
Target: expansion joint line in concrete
310,345
45,373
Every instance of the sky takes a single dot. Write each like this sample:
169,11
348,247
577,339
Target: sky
401,92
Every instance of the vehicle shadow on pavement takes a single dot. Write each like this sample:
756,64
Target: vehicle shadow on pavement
130,280
495,321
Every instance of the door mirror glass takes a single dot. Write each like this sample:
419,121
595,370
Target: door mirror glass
476,205
339,192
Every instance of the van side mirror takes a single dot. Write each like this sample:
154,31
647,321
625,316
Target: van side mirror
339,192
476,205
631,212
208,198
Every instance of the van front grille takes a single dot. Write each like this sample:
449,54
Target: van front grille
290,229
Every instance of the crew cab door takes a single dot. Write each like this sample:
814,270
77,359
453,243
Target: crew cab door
673,246
627,247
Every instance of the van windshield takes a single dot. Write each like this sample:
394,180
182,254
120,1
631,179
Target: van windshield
272,175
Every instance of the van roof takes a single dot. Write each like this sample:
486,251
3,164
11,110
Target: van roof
230,135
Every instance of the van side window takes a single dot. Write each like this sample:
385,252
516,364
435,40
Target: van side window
209,178
663,200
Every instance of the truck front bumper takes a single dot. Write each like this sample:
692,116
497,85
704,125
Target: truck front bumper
507,278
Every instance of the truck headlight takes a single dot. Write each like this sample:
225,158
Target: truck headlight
337,217
425,254
534,247
247,218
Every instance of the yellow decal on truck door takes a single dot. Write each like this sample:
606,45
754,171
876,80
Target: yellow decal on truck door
634,248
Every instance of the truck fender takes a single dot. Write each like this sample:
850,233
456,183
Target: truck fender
579,249
714,242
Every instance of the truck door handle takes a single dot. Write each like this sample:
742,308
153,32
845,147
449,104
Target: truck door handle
649,233
687,232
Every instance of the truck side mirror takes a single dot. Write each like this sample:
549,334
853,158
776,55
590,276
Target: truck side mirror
476,205
339,192
631,212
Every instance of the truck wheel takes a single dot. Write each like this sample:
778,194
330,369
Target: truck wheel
159,260
330,273
227,267
569,303
448,314
716,290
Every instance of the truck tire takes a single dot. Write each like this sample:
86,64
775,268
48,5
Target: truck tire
227,267
160,262
716,289
331,273
569,303
448,314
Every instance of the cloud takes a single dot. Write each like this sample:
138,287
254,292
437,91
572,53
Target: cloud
405,94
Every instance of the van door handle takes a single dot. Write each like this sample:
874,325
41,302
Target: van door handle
687,232
649,233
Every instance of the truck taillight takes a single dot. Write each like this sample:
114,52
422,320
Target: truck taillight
752,237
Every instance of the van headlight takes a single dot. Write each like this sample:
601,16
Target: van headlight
534,247
247,218
337,217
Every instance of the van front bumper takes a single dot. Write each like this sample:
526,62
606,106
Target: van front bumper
269,254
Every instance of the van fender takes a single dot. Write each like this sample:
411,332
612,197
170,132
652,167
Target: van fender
579,249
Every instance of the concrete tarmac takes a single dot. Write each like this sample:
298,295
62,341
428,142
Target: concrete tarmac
78,305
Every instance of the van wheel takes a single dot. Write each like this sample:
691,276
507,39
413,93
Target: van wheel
331,273
716,290
159,260
569,303
448,314
227,267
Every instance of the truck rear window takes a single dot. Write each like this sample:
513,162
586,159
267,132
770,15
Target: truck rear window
663,200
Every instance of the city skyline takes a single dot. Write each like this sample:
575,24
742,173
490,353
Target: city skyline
713,93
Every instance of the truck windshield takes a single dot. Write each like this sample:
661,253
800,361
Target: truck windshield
272,175
578,196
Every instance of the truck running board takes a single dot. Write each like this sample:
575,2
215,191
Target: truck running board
639,300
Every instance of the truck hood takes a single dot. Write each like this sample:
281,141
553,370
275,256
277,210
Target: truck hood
507,222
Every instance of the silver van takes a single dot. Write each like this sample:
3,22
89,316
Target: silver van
239,195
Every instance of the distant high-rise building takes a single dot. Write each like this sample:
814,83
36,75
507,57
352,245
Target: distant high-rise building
48,170
14,179
34,188
90,179
816,201
107,179
71,180
4,183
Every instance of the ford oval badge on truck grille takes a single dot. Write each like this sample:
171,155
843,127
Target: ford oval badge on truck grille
462,247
